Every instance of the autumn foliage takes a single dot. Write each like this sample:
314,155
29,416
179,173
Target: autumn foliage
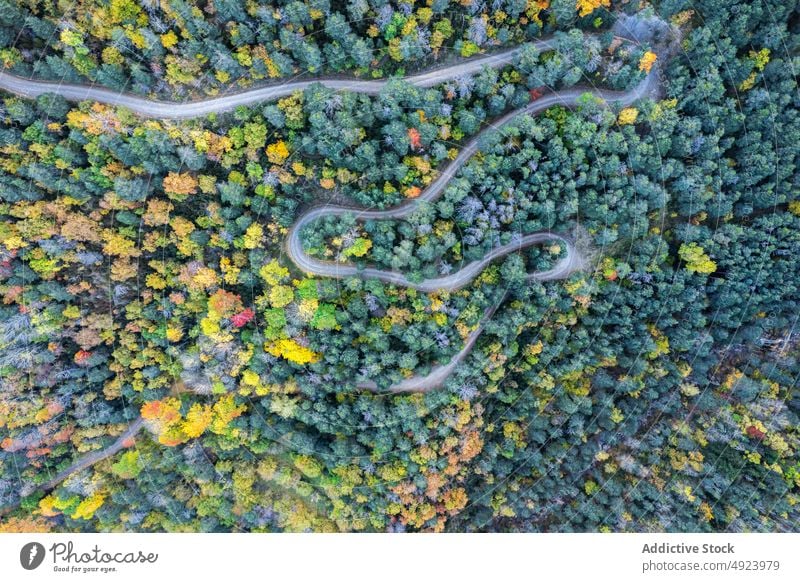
179,186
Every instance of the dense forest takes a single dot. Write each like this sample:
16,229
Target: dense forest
144,275
181,48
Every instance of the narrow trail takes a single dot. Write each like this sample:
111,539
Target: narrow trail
630,27
123,441
90,459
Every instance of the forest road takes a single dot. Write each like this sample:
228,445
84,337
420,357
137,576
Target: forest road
123,441
632,28
190,109
629,27
573,261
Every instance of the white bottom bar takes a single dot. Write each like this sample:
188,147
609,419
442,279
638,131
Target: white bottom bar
419,558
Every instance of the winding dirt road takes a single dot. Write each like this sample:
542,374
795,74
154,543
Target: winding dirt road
632,28
626,27
457,280
572,262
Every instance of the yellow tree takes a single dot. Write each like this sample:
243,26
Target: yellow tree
586,7
696,259
179,186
